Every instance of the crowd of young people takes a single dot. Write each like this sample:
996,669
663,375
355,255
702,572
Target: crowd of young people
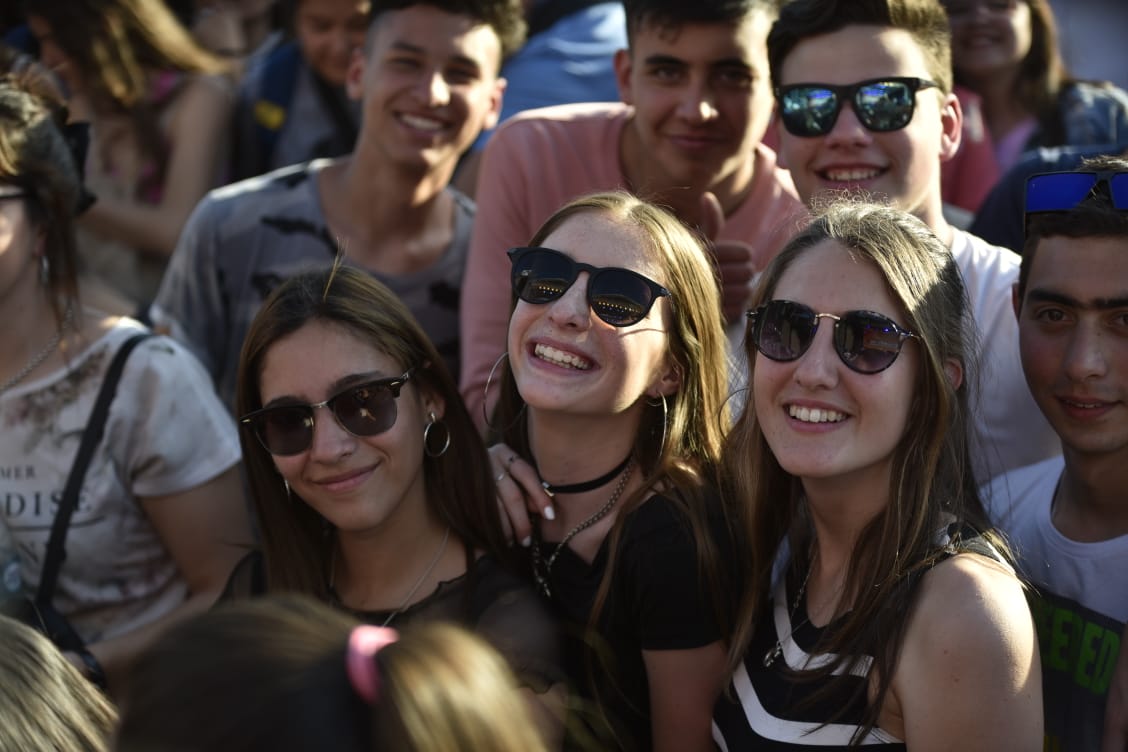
763,452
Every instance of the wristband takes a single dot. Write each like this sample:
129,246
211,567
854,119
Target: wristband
94,671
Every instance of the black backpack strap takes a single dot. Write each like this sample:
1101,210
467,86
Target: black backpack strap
91,437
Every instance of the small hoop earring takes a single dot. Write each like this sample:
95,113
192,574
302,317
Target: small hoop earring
44,270
665,418
286,485
435,453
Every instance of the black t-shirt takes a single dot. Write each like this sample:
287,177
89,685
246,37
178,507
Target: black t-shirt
658,600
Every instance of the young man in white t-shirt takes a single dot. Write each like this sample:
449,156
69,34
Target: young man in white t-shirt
1067,517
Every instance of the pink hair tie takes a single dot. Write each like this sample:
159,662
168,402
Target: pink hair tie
365,642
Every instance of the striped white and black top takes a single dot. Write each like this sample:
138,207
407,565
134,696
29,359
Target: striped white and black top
765,708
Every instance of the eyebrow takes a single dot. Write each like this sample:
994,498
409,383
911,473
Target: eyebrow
335,388
1041,295
671,60
417,50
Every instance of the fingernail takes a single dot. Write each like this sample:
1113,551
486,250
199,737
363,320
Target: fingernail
549,513
527,541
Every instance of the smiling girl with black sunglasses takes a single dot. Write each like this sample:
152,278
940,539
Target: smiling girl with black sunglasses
887,617
371,483
612,414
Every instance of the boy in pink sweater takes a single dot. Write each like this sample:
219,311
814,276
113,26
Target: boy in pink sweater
696,101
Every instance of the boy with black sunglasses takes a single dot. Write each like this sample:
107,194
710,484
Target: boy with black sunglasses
696,103
1068,516
428,82
864,89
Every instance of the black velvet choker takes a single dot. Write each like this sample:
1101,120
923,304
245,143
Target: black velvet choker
588,485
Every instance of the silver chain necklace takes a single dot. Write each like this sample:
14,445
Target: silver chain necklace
776,651
542,577
414,588
42,355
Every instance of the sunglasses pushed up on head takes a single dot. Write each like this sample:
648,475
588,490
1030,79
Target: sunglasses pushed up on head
366,409
1062,191
867,342
880,104
619,297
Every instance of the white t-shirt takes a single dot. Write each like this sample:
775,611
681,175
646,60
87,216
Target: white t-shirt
166,432
1078,596
1010,431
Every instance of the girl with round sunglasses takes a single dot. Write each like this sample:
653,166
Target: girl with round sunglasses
372,486
612,416
880,609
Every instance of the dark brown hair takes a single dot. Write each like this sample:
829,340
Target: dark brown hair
459,486
505,17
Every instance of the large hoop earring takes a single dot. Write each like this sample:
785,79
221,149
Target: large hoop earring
486,396
427,443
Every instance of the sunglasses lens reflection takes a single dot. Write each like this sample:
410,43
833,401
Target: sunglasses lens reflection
619,297
866,342
811,110
366,410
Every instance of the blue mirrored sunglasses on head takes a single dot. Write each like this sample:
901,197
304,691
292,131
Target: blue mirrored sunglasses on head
366,409
880,104
1062,191
619,297
865,341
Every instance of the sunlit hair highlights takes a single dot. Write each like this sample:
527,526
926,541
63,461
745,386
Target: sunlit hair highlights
931,482
116,45
44,702
459,486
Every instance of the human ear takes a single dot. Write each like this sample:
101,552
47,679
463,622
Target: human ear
623,68
669,381
951,124
433,404
354,77
494,113
953,369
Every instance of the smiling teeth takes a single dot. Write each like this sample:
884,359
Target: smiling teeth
422,123
848,175
561,358
815,415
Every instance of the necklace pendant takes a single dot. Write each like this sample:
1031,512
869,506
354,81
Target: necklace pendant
542,585
771,655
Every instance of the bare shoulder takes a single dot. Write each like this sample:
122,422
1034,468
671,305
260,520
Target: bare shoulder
970,607
203,96
969,661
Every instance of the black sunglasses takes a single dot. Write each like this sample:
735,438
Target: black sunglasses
366,409
1062,191
619,297
880,104
867,342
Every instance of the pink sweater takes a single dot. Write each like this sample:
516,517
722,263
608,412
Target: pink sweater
534,164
